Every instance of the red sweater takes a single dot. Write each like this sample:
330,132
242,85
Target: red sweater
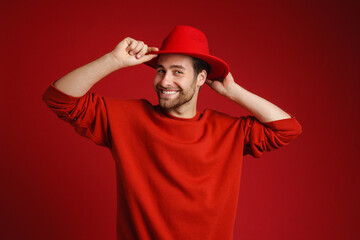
176,178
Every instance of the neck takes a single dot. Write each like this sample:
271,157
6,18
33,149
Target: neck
183,111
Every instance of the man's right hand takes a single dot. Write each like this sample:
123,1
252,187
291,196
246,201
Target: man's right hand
130,52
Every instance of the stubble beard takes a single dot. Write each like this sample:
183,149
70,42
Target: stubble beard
183,98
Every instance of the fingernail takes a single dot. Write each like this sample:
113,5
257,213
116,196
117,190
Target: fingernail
131,53
138,56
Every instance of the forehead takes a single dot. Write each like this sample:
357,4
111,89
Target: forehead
167,60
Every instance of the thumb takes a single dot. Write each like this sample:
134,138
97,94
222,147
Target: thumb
148,57
152,49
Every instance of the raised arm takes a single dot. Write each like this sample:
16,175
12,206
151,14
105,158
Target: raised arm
129,52
262,109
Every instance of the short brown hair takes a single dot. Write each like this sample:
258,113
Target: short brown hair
200,65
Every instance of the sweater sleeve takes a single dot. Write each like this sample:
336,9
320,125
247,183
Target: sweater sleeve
87,114
264,137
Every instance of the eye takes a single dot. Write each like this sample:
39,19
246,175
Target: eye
178,72
160,71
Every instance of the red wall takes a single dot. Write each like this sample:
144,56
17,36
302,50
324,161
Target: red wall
302,55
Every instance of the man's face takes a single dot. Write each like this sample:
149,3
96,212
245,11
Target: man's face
175,83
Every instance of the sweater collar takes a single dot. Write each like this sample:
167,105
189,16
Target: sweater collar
168,115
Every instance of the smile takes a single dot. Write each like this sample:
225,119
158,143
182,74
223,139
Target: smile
168,91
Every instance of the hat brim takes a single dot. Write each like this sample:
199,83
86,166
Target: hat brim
219,68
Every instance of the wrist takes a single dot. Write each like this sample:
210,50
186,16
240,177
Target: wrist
234,92
114,62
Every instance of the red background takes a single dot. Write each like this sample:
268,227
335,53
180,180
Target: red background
301,55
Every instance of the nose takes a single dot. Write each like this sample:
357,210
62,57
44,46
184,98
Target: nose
166,80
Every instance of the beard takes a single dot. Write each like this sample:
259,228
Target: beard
184,96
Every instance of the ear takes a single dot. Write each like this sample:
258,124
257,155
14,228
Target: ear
201,78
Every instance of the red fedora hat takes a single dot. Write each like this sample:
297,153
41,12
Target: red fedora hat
190,41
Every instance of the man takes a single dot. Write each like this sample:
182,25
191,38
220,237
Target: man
178,170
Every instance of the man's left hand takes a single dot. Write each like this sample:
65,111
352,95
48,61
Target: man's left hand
223,87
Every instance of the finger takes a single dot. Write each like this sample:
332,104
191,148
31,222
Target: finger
142,52
209,82
138,48
133,44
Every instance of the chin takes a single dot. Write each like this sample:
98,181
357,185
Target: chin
167,104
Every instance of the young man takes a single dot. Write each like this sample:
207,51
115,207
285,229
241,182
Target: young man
178,170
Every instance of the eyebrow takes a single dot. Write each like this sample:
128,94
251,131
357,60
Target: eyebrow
172,66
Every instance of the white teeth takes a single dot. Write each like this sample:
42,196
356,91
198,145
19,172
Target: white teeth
169,92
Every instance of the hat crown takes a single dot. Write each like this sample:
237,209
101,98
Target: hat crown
192,42
186,39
